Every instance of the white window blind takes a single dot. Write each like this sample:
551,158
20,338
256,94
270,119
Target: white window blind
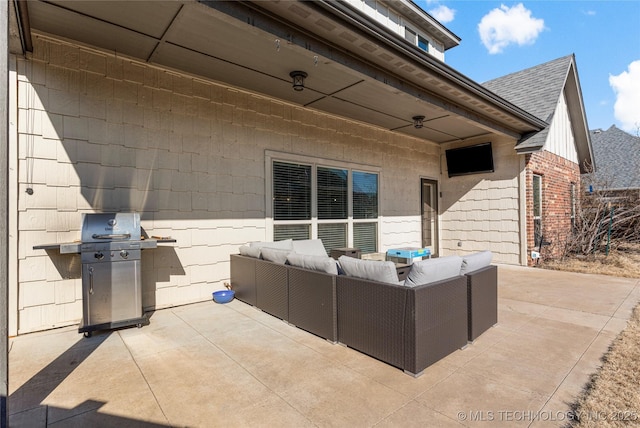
332,193
365,195
291,231
333,235
338,205
291,191
365,237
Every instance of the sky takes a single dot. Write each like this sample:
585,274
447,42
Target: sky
502,37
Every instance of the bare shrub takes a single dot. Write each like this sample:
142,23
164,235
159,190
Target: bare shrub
605,219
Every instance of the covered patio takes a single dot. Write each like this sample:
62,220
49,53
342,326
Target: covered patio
207,364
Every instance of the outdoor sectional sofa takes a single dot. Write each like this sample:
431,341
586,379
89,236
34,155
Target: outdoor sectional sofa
364,307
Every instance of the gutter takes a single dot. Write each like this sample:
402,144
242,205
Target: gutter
373,29
24,27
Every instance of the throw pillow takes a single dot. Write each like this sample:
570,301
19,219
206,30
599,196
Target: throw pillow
250,252
284,244
310,247
275,255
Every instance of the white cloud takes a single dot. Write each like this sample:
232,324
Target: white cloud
504,26
443,14
626,85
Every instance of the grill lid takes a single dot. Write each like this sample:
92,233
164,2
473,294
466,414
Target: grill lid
108,227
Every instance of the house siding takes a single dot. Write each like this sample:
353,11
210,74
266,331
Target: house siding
482,211
100,132
387,16
560,140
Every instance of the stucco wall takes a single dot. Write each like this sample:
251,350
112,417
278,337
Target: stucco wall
98,132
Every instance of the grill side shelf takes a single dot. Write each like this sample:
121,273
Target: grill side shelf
74,247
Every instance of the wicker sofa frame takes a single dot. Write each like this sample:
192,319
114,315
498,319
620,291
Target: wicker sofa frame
303,298
482,295
407,327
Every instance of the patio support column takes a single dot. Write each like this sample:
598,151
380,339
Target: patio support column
4,202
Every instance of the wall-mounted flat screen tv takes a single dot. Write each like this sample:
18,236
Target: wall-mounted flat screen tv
474,159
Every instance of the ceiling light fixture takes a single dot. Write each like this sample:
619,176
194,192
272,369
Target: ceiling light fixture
298,79
417,121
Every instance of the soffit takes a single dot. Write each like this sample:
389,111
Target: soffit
351,73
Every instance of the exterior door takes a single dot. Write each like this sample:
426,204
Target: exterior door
429,204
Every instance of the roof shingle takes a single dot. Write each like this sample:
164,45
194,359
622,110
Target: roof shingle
536,90
617,156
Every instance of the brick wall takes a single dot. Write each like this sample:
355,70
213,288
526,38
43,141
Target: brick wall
557,174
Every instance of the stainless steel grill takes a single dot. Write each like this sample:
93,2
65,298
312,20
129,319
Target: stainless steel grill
111,280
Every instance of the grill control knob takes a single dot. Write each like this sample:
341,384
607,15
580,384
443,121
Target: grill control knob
124,254
99,256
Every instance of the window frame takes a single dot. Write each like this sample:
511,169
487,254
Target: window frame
417,38
537,217
572,196
314,222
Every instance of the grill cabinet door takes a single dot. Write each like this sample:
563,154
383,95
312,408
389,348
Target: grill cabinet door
111,292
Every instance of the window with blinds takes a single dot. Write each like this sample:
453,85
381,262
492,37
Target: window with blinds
337,205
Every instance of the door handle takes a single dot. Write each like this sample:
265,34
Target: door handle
111,236
90,279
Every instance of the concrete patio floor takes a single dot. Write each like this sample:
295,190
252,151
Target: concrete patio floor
206,365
